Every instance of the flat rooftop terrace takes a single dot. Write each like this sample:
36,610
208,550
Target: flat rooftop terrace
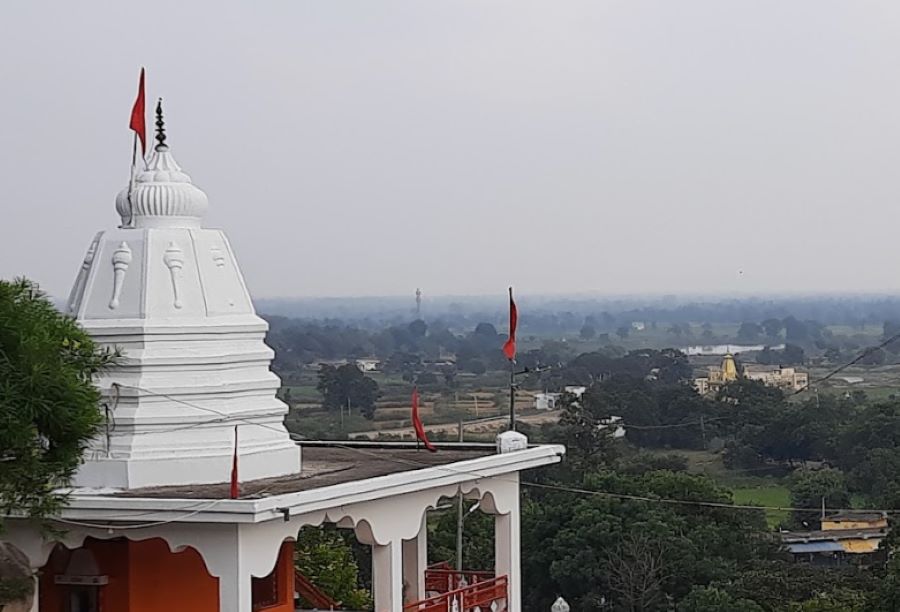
326,464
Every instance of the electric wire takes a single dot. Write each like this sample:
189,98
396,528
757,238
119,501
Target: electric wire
478,475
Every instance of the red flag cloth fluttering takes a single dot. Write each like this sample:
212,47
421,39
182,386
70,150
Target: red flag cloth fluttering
137,116
235,490
417,422
509,348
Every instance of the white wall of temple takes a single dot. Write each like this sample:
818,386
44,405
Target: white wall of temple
395,527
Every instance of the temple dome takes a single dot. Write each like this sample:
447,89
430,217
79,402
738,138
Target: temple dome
162,195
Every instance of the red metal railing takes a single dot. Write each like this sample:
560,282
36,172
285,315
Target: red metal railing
441,578
477,596
313,595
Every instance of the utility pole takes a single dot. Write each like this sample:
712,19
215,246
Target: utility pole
703,431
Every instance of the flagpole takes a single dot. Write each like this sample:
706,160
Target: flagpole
131,180
512,394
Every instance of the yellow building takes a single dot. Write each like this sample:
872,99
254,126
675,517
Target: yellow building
855,520
718,377
843,537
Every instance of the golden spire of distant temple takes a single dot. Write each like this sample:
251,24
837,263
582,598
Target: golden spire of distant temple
729,368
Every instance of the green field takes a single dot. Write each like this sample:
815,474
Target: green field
769,493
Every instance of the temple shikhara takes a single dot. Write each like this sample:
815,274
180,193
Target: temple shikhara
152,523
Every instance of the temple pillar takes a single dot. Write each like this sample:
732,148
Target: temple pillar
226,559
415,561
35,601
387,576
507,560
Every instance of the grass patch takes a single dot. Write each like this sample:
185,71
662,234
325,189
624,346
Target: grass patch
768,494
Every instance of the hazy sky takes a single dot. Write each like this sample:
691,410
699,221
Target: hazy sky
371,147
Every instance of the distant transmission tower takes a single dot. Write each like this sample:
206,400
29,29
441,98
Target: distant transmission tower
418,303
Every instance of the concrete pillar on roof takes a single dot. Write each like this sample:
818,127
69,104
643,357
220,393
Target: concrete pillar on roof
507,538
415,561
387,576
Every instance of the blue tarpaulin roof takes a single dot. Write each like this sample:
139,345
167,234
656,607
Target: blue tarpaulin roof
811,547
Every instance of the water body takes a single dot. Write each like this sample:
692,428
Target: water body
722,349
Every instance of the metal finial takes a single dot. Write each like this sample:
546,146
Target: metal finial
160,128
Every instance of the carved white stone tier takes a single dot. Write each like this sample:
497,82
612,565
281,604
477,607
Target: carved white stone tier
170,295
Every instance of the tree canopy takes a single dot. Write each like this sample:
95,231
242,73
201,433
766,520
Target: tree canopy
49,407
347,386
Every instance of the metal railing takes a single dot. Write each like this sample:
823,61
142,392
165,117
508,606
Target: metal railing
440,578
313,594
477,597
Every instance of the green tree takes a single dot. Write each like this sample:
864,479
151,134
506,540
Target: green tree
712,599
773,328
478,537
776,585
418,328
588,332
347,386
632,552
875,356
810,487
49,407
324,556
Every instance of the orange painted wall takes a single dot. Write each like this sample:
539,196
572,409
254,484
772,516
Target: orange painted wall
162,581
145,576
285,565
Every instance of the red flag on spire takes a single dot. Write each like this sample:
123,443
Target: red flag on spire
417,422
137,116
235,489
509,347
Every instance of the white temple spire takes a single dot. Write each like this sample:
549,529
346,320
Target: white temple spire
169,293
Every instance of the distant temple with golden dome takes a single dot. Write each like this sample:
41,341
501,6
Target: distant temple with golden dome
789,379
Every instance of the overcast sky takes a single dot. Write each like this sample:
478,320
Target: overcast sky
367,148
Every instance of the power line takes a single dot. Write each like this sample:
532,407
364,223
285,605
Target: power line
852,362
477,475
143,525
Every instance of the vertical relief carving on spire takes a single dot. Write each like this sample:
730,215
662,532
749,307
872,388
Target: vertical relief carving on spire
174,260
121,258
218,258
81,279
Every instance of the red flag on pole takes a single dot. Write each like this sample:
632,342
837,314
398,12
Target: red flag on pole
509,348
417,422
137,116
235,489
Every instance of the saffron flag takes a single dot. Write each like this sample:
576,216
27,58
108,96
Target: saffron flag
417,422
137,116
509,348
235,489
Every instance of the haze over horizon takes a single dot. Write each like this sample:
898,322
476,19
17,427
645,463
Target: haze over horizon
641,147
